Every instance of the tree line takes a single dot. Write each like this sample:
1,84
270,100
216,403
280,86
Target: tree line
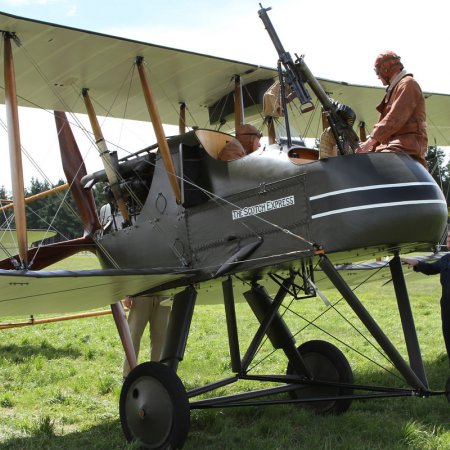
439,169
56,212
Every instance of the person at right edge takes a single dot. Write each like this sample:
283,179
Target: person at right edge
441,266
402,126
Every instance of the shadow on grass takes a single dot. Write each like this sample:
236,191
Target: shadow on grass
388,423
369,424
436,371
19,353
106,436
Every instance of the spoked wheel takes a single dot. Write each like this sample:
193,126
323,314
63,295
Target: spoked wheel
326,363
154,407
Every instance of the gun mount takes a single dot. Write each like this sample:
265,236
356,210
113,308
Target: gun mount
340,117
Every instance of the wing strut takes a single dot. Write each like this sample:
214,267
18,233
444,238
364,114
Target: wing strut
38,196
124,332
106,156
271,129
238,103
158,129
12,120
182,119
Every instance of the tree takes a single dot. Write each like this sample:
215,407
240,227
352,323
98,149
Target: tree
439,168
3,193
56,211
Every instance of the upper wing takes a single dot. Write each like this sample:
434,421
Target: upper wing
72,59
31,293
66,60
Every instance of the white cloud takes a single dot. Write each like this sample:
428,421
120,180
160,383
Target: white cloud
71,11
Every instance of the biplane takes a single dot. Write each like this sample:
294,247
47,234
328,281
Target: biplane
180,221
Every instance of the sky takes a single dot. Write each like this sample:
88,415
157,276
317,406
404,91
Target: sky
339,40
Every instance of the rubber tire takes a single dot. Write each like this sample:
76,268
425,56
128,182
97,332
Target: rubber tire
157,389
326,363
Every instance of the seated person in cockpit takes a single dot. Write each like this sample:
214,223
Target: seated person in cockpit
246,142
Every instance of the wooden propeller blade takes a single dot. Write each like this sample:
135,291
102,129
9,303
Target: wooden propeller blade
75,170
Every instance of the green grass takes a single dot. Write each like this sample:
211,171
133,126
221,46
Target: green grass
60,383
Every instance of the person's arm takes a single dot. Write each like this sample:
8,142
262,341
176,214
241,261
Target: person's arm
231,151
425,268
401,110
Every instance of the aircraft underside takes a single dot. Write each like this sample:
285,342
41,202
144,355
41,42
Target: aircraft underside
317,374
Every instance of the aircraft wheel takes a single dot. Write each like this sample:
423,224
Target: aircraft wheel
326,363
154,407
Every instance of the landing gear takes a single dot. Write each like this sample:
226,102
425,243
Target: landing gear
327,364
154,407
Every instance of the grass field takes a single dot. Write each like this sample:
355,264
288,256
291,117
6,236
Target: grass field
60,383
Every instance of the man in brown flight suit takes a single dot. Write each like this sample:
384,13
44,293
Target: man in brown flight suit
246,142
402,125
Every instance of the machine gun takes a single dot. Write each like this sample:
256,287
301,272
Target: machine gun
340,117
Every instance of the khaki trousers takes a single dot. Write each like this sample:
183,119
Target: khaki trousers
148,310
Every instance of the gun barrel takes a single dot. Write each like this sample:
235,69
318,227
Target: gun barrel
297,74
271,30
286,59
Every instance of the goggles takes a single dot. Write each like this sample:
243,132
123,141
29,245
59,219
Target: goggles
258,135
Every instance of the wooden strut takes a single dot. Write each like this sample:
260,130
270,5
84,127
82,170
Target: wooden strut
33,321
120,318
35,197
182,119
105,156
325,123
271,130
238,103
362,131
12,120
158,129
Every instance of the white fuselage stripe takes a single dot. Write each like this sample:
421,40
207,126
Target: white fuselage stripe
375,186
377,205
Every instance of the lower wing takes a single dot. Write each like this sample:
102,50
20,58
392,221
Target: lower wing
42,292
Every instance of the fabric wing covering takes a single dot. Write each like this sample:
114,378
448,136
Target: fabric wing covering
31,293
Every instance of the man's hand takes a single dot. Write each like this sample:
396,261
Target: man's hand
366,146
128,302
410,262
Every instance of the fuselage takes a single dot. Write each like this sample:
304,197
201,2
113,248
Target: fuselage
267,209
